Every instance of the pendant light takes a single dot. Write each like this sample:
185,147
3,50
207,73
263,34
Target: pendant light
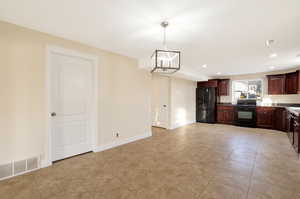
163,60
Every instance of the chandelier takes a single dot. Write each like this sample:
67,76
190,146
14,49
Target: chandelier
165,61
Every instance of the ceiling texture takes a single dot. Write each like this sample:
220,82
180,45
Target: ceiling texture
227,35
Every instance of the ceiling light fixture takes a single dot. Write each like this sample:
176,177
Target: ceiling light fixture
269,44
204,66
218,73
165,61
272,67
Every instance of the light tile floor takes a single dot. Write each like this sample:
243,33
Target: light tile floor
200,161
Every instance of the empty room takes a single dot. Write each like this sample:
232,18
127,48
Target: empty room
139,99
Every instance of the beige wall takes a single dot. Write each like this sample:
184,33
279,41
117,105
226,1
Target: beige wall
274,98
183,102
124,93
180,97
160,97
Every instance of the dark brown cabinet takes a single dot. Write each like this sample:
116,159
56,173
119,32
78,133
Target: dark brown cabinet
296,136
223,87
298,91
225,114
290,127
280,119
276,84
213,83
288,83
265,117
294,131
291,83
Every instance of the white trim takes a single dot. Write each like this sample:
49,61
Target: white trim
122,142
175,126
47,161
26,167
254,79
21,173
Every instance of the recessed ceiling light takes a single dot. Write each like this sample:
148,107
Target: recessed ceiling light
204,66
273,55
218,73
272,67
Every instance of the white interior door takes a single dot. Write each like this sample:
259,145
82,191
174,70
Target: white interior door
160,101
71,97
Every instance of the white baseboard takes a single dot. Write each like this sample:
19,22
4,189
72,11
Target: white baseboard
45,163
175,126
122,142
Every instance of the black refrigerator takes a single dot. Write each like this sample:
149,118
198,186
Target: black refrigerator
206,99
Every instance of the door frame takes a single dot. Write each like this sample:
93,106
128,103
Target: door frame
51,49
169,85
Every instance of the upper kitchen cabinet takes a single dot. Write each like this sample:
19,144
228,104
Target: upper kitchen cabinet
291,83
276,84
281,84
223,87
212,83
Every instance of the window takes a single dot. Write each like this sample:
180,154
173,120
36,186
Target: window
246,89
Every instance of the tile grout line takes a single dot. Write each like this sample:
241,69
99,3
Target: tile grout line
252,171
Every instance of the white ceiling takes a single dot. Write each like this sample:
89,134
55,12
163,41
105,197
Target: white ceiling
227,35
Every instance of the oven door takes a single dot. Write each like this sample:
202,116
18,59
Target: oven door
246,116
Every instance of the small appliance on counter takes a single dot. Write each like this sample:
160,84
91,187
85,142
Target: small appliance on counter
245,113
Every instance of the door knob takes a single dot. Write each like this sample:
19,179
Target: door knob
53,114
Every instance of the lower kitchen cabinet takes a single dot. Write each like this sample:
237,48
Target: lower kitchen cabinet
225,114
265,117
280,119
290,127
294,131
277,118
296,136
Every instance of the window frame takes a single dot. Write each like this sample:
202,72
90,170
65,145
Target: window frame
256,79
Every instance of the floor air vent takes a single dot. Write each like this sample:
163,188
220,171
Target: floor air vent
19,167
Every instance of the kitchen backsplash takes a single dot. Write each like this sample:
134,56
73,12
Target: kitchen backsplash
269,99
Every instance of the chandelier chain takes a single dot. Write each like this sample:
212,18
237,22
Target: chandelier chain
165,39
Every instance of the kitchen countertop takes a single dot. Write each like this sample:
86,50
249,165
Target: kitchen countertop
294,108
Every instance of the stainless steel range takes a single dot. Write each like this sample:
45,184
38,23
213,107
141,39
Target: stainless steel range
246,113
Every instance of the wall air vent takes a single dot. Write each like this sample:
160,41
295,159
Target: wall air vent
19,167
6,170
